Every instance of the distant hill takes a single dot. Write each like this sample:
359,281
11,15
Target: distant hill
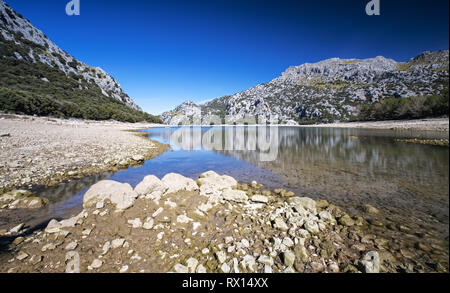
37,77
338,90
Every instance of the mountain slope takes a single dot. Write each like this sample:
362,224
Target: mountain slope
330,90
37,77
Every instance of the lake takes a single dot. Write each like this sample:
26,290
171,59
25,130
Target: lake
407,182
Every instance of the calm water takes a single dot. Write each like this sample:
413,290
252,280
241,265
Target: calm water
348,167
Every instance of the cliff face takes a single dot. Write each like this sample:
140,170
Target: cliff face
332,89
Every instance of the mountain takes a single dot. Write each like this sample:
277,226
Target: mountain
327,91
37,77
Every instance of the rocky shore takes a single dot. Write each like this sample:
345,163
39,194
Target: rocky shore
431,124
213,225
47,151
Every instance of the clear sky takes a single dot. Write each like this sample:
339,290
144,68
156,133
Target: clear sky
165,52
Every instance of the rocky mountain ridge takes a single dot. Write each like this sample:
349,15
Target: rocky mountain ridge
327,91
20,40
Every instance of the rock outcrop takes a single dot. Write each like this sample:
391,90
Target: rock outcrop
327,91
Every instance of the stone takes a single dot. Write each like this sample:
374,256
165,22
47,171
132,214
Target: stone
106,247
371,209
177,182
191,264
157,212
234,195
301,253
138,158
288,258
149,222
49,246
18,241
200,269
225,268
116,243
123,269
96,264
326,216
136,223
22,255
16,229
317,267
221,256
333,267
179,268
152,186
305,203
249,262
215,181
259,198
268,269
345,220
371,262
280,224
288,242
71,246
121,195
183,219
266,260
311,226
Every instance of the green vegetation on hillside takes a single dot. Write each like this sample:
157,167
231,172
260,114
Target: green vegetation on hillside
406,108
39,89
23,90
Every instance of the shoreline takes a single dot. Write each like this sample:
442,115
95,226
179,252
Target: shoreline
42,151
211,225
426,124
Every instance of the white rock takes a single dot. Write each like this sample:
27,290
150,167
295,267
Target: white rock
136,223
179,268
120,194
183,219
71,246
371,262
116,243
260,198
234,195
201,269
225,268
151,185
123,269
312,227
148,223
177,182
221,256
96,264
191,263
267,260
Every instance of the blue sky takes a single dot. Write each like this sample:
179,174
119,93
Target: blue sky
165,52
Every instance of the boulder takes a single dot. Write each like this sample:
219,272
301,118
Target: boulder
371,262
219,182
152,186
176,182
305,203
234,195
121,195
